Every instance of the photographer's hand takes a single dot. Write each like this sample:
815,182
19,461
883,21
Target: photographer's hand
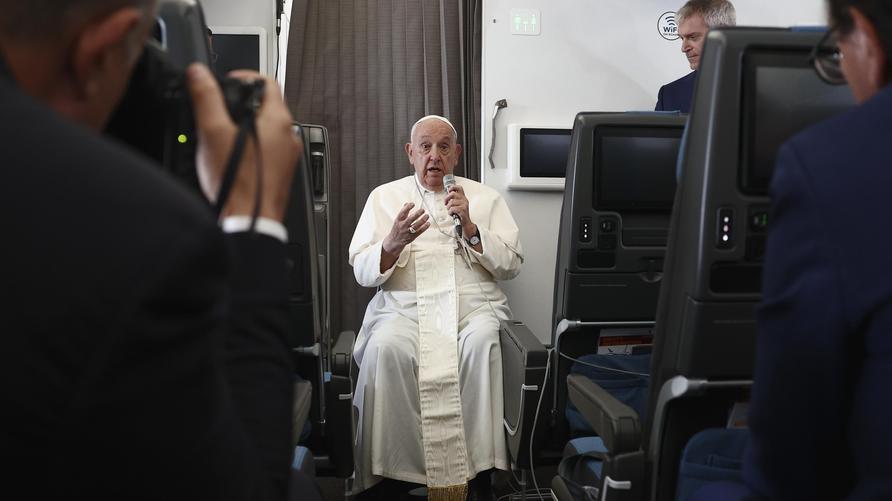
280,148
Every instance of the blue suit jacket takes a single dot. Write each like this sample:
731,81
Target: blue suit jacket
821,410
676,96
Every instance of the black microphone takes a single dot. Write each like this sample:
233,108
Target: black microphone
449,182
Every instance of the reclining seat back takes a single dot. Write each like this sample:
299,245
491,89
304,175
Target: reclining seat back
305,286
308,242
620,183
304,299
755,89
332,359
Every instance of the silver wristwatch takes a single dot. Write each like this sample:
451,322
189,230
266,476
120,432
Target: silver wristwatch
475,238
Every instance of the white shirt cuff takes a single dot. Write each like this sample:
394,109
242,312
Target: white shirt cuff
264,226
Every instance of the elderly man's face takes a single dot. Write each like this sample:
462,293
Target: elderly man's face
433,152
693,35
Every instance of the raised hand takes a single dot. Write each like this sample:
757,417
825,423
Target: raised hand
406,228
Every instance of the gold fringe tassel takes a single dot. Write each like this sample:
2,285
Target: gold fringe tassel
452,493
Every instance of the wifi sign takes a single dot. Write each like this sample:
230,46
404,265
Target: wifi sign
667,26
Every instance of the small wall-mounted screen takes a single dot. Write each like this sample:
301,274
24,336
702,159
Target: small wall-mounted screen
543,152
236,52
239,47
634,168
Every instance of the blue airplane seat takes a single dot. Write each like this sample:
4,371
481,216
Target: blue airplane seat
712,455
722,491
623,376
710,466
582,464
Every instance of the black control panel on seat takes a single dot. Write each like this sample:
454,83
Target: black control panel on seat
585,229
607,233
724,238
756,233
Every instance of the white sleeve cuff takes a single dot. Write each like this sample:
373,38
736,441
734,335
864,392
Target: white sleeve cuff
264,226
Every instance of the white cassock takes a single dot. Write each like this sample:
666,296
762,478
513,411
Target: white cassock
390,441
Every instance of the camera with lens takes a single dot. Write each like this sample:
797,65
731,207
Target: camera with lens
155,115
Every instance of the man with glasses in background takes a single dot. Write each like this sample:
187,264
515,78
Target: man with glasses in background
695,19
821,409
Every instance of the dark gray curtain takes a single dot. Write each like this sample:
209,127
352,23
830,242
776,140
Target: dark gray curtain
472,66
367,70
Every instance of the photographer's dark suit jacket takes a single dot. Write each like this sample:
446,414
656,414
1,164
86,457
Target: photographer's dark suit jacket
677,95
117,377
822,405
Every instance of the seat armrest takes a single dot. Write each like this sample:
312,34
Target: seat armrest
339,402
615,422
522,336
342,354
524,363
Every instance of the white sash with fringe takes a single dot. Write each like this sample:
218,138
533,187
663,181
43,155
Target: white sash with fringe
445,450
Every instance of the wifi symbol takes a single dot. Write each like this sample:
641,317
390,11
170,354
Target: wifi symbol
668,26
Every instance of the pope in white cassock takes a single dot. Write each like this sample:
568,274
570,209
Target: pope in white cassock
428,398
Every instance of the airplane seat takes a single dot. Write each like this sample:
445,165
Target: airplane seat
619,192
524,364
626,377
712,455
610,254
306,306
620,185
305,274
319,386
756,89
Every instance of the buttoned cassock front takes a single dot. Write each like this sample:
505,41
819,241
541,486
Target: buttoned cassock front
389,440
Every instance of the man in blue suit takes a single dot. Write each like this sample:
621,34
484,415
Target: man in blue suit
695,19
821,409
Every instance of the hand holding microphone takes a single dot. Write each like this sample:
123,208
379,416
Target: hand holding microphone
454,199
458,207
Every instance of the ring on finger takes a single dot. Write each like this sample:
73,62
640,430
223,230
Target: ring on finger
412,230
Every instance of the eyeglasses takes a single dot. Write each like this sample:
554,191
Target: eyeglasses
827,59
